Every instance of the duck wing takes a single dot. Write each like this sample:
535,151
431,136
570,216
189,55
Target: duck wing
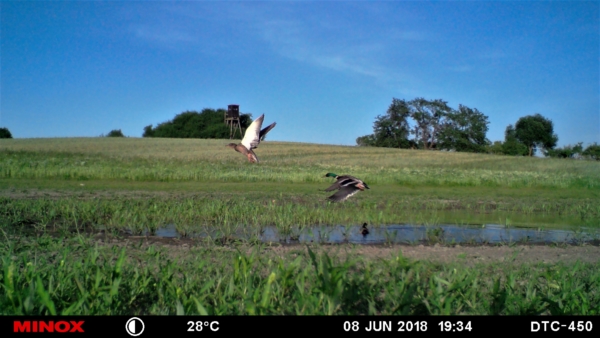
334,186
348,180
252,137
344,181
266,130
343,194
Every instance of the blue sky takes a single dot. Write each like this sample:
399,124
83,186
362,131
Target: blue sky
322,70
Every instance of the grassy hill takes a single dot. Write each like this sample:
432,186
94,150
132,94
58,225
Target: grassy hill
193,181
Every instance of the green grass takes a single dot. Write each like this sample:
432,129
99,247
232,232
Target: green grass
55,192
225,211
77,276
210,161
143,183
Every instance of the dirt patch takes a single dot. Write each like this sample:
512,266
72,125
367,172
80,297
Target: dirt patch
468,255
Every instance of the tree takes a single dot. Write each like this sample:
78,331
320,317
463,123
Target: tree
567,151
148,131
390,130
592,151
495,148
5,133
511,145
535,131
190,124
464,130
435,125
115,133
430,118
438,126
366,141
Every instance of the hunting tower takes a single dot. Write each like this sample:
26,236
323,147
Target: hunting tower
232,119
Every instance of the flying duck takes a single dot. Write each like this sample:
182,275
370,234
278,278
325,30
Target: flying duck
252,138
347,186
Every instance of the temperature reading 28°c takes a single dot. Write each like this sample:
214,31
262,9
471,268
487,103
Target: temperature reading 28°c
199,326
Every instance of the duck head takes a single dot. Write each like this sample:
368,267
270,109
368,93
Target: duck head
330,175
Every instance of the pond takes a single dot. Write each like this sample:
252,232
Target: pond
400,234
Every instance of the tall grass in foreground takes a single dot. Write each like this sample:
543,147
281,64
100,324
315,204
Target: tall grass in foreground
44,276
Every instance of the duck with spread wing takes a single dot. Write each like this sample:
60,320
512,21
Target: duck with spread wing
347,186
252,138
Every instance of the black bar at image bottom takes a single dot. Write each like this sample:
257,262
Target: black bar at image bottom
143,326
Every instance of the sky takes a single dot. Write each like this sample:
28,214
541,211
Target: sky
323,70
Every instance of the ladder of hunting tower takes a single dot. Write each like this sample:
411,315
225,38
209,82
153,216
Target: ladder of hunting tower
232,119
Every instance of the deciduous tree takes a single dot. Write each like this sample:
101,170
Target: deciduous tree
115,133
430,117
5,133
536,131
592,151
190,124
511,145
390,130
465,129
436,125
567,151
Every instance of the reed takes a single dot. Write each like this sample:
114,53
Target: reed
76,276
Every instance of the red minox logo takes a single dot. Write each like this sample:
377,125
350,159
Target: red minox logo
47,326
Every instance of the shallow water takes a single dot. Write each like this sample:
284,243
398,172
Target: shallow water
488,233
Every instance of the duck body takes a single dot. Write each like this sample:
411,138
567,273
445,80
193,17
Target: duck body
364,231
346,185
252,139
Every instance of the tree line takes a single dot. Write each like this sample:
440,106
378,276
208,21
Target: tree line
435,125
209,123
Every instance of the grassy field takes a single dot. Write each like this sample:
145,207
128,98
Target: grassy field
170,160
57,195
201,182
